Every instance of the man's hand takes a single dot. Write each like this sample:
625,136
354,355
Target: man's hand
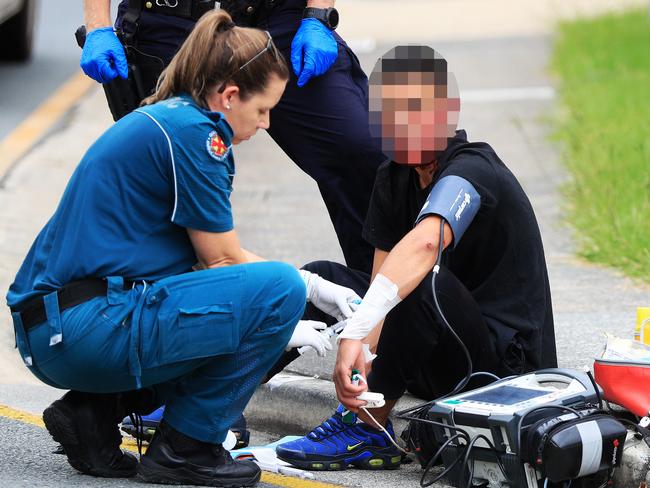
307,333
103,57
313,50
335,300
350,356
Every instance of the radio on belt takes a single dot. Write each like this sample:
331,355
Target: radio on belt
556,445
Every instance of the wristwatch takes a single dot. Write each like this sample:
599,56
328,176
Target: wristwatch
328,16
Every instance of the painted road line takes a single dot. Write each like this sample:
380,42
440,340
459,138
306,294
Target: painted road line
41,120
24,417
130,444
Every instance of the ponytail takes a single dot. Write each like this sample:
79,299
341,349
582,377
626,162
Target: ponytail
213,55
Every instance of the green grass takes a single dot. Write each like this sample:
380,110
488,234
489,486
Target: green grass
604,128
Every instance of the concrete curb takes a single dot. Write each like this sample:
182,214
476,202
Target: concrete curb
295,404
292,404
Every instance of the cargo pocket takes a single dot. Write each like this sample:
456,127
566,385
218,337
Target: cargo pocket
198,332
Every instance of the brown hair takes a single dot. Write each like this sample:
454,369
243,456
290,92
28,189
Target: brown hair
213,55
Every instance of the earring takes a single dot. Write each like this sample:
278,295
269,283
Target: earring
228,107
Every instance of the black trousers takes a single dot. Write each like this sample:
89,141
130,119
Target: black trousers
416,351
323,126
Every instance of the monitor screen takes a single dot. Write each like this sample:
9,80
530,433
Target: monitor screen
505,395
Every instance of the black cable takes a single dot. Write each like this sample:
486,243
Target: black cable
440,424
438,453
436,269
596,389
468,451
462,383
420,409
542,407
401,413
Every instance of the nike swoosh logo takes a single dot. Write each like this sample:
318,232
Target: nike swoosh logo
353,447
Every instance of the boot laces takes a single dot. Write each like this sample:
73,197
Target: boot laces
136,420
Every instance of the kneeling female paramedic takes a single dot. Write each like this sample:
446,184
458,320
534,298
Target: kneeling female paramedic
106,300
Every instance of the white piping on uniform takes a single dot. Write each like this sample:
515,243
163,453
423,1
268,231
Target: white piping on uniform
171,153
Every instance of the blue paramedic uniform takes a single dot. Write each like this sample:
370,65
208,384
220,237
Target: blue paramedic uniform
204,338
323,126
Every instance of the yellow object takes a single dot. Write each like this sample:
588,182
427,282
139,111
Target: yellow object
642,329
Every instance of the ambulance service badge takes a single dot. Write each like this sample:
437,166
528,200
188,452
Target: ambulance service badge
216,146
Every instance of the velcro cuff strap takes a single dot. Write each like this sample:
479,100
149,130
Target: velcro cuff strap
454,199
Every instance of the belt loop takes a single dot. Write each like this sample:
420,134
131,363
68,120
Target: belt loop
135,368
115,290
21,339
51,302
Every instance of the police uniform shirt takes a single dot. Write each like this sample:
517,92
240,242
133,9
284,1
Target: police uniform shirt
499,259
156,172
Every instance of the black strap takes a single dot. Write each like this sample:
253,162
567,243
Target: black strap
130,21
74,293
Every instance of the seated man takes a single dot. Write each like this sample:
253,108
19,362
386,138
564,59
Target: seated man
445,215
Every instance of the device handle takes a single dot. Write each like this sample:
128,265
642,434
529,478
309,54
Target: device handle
564,375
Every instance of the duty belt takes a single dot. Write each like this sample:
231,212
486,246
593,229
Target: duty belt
192,10
74,293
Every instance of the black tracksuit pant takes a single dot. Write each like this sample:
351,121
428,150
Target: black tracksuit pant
416,351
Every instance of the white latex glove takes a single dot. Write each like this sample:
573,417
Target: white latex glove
335,300
307,333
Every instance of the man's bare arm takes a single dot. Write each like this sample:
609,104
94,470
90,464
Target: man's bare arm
97,13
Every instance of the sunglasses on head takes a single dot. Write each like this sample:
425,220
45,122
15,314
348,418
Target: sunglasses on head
269,47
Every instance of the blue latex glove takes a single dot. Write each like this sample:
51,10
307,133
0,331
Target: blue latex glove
103,57
313,50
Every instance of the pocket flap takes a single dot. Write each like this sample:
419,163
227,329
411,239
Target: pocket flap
216,308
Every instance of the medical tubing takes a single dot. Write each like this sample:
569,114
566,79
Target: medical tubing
462,383
441,315
383,429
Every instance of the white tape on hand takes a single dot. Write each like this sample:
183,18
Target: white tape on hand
380,299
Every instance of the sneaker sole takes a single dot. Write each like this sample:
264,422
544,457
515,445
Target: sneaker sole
365,459
150,472
243,437
57,422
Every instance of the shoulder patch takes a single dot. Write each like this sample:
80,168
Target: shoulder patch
216,146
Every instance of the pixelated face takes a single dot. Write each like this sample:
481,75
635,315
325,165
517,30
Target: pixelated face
414,104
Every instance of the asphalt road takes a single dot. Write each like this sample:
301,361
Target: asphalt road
23,86
587,300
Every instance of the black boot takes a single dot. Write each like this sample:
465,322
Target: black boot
174,458
86,425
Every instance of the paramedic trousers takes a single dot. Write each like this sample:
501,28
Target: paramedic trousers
203,340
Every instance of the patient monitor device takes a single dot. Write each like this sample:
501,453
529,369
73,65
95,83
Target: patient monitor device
529,421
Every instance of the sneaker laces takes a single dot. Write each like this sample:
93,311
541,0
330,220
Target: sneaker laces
136,420
330,426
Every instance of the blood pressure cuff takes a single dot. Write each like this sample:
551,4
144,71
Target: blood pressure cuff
454,199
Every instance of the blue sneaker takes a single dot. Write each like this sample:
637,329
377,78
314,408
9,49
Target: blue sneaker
151,422
335,444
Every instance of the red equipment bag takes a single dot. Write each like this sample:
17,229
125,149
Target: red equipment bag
625,383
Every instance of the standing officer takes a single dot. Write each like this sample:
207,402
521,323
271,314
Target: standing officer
106,303
321,122
459,277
